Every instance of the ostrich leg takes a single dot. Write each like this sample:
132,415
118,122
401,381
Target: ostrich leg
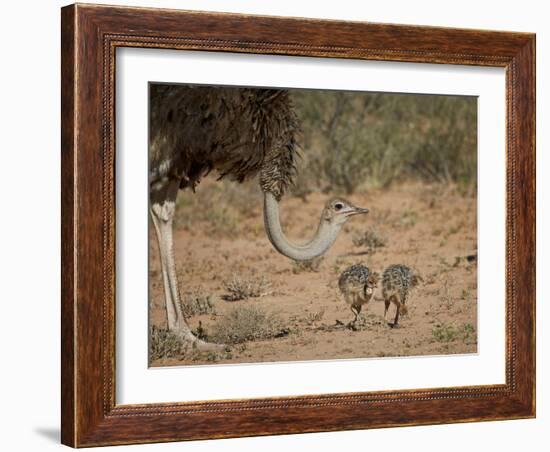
163,206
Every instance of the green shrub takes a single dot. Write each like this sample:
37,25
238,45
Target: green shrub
355,138
450,333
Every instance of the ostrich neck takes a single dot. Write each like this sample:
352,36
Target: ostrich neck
324,237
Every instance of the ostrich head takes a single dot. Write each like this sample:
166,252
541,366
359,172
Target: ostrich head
335,213
338,211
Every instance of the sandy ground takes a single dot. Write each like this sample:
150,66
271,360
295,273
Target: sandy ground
432,229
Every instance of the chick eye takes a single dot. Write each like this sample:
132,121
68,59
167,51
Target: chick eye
338,206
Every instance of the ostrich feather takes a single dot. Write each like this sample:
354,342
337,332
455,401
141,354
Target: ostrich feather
236,131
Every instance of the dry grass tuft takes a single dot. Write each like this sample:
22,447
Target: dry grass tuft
247,323
239,288
312,265
197,302
369,239
408,219
314,317
164,344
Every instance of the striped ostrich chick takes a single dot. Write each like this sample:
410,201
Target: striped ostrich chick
357,284
397,281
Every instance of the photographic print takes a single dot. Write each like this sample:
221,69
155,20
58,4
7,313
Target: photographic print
227,219
295,224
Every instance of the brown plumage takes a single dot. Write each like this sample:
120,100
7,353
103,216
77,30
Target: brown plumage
239,132
357,284
397,281
236,131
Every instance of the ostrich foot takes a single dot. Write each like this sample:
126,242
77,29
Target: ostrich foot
203,346
194,343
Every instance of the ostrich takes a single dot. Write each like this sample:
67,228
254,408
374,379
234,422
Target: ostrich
239,132
397,281
357,283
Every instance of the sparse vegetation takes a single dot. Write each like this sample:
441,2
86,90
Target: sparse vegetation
197,302
338,265
222,221
446,298
307,266
239,288
219,206
469,334
314,317
369,239
451,333
164,344
444,333
352,137
247,322
408,218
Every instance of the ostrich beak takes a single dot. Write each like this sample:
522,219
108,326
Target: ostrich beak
353,210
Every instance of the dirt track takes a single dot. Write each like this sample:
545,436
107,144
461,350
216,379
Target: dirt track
428,228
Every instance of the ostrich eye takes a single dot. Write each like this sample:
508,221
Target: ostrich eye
338,206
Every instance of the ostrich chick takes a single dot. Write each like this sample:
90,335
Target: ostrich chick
357,284
397,280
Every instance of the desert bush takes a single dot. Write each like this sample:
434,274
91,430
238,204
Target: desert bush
197,302
246,323
350,138
314,317
239,288
369,239
164,344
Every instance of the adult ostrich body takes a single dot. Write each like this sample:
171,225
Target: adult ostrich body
239,132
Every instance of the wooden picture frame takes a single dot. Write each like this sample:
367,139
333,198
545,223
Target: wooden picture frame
90,36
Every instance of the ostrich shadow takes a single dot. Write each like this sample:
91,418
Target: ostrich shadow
354,254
